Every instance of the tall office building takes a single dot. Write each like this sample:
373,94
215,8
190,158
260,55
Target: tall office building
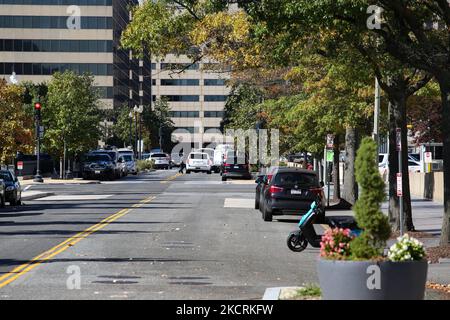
41,37
196,97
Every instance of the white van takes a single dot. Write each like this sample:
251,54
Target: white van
220,154
198,162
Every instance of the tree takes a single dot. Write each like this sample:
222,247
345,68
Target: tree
71,117
124,127
159,125
16,134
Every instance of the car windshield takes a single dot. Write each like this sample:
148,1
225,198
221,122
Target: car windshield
199,156
296,178
236,160
127,157
380,158
6,176
98,157
159,155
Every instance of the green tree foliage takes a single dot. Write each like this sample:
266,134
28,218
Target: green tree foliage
158,118
124,126
370,218
16,134
71,114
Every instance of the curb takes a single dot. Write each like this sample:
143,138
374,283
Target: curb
37,196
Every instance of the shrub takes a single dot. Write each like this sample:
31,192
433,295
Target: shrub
336,244
143,165
370,244
406,249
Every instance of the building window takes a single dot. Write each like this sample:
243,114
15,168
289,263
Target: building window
214,82
184,114
105,92
180,82
60,2
97,69
186,98
215,98
179,66
53,22
214,114
32,45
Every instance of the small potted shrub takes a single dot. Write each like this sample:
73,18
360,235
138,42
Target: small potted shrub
356,267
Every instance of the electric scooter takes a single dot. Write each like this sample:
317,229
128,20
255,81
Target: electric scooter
298,240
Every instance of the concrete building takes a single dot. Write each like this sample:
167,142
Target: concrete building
196,96
40,37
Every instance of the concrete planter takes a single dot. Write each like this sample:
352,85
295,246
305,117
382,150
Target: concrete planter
370,280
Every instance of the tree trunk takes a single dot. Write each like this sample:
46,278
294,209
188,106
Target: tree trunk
398,120
350,192
445,93
336,175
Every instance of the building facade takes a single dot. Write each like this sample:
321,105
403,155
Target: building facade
196,93
41,37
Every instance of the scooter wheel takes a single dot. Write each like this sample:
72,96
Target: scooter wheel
297,242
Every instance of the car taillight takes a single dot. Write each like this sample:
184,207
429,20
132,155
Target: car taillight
227,165
317,191
275,189
269,177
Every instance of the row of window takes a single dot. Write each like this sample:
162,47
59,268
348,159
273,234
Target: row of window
194,98
54,22
97,69
192,82
196,114
56,45
196,129
179,66
60,2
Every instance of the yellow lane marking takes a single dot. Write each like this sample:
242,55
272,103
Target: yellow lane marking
172,178
70,242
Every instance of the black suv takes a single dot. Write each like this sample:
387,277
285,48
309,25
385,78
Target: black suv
98,165
235,167
288,191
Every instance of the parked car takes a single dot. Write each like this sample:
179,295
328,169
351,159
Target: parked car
114,155
162,160
176,159
198,162
98,165
290,191
235,167
128,160
220,154
2,194
13,191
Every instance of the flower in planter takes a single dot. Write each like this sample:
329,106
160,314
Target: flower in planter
336,244
406,249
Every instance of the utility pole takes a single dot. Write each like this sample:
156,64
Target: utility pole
376,114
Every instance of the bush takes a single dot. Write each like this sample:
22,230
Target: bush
406,249
336,244
143,165
370,244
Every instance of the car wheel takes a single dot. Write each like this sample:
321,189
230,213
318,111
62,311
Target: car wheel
2,201
224,178
208,172
188,172
266,215
256,203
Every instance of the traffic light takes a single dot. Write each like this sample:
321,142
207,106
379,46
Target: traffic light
37,111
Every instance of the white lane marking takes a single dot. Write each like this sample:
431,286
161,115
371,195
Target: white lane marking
26,188
239,203
76,197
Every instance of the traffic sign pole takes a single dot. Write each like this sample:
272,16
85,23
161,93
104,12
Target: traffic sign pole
37,112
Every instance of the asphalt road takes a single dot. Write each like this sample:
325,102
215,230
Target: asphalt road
172,237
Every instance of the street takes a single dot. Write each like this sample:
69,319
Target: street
173,237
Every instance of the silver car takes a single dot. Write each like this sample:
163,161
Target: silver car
162,160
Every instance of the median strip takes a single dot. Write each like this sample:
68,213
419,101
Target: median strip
70,242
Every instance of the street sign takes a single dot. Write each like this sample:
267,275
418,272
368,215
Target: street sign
399,185
330,141
330,156
398,139
19,165
41,132
428,157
